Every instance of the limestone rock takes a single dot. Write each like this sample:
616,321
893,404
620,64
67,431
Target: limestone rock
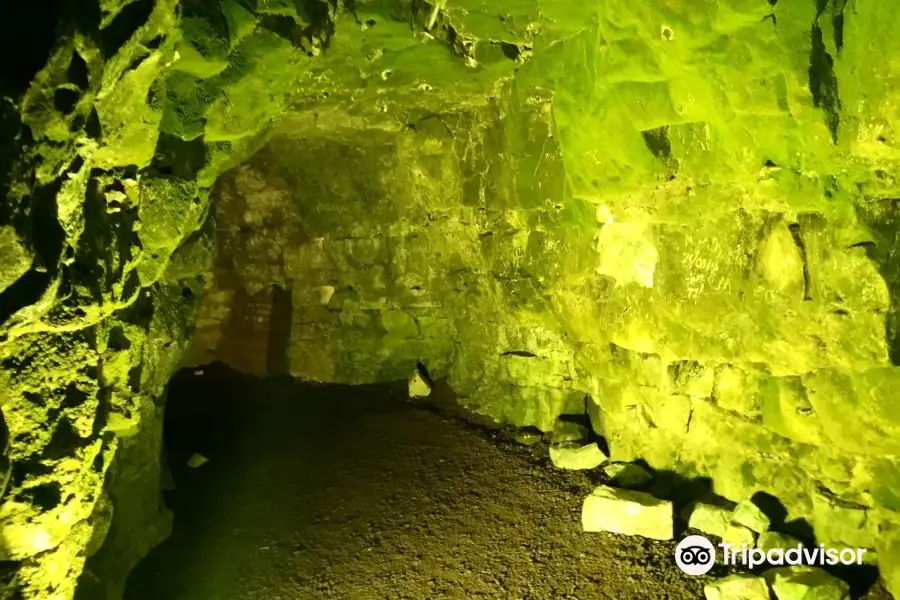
419,383
627,512
842,523
568,431
771,540
749,515
718,521
628,475
576,457
737,587
806,583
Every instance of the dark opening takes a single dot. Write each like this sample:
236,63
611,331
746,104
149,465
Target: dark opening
28,32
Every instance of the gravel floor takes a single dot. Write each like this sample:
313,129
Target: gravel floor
332,492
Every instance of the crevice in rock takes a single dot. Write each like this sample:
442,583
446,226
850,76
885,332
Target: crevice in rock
801,246
280,320
823,82
123,26
77,73
511,51
27,290
657,141
64,442
45,496
179,158
65,99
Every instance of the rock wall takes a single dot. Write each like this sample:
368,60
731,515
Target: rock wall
679,217
456,243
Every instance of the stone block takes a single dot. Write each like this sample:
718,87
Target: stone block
576,457
628,513
749,515
717,521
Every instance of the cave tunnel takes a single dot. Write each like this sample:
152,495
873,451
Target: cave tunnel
445,299
332,491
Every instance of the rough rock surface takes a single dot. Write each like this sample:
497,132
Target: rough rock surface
806,583
687,227
737,587
771,540
719,522
627,512
576,457
749,515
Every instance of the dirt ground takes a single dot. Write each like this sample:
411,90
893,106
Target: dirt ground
331,492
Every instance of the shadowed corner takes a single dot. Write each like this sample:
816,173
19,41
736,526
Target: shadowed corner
681,491
138,519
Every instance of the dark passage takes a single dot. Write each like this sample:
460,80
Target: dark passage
355,493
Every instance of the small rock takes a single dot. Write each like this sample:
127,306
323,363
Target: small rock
528,438
749,515
567,431
197,460
325,293
198,372
627,512
575,457
628,475
419,383
806,583
772,540
718,521
737,587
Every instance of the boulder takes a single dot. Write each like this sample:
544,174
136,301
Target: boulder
627,512
772,540
420,385
718,521
749,515
576,457
568,431
806,583
737,587
628,475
